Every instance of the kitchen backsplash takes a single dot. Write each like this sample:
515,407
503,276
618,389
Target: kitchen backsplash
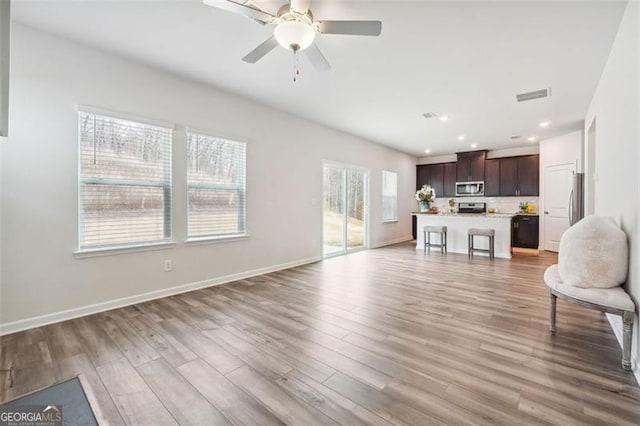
501,204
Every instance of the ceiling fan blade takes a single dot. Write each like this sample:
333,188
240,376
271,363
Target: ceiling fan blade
316,58
256,54
300,6
239,8
365,28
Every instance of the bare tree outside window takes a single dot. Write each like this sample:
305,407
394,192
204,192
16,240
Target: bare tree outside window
216,174
125,182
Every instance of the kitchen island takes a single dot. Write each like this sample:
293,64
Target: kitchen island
457,226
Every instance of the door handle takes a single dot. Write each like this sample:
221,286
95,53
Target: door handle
546,212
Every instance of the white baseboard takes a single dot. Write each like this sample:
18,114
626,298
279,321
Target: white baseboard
25,324
616,325
392,242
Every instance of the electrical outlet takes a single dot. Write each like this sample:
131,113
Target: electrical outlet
168,265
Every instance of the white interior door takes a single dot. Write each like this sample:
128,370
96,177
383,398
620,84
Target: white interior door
557,193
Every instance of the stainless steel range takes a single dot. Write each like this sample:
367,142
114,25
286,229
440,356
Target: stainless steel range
477,208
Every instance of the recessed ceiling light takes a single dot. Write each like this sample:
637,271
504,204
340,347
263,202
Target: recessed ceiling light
427,151
443,118
532,138
461,137
474,145
544,123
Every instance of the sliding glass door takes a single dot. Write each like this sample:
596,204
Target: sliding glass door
345,209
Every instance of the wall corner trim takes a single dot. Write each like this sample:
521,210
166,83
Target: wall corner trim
28,323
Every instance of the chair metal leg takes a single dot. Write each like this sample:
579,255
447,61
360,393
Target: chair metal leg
429,244
627,328
445,243
492,246
424,240
470,244
552,311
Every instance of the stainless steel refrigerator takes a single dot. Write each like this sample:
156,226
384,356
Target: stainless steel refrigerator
576,199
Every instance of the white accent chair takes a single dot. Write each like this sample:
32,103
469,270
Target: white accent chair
592,265
610,300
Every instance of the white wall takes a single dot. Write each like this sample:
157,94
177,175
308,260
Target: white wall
51,76
616,110
556,151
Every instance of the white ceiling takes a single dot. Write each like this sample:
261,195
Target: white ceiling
463,59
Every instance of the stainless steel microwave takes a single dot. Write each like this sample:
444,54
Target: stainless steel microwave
470,189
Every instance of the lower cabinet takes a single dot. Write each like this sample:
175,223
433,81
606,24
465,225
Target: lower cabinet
524,231
414,227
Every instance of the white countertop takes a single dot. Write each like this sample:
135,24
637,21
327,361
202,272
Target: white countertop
478,215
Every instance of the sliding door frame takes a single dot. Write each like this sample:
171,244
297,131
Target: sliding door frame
367,180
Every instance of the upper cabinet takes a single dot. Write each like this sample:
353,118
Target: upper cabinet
503,177
470,166
529,175
492,178
515,176
509,176
441,176
431,174
449,180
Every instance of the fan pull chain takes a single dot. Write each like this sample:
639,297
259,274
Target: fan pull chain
296,64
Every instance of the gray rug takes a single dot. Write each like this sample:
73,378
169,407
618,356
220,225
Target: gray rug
69,395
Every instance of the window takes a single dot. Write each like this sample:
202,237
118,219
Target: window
216,175
389,196
124,182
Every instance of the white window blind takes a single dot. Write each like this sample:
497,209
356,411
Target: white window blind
216,187
389,196
125,182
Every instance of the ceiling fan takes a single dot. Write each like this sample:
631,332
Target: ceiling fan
295,29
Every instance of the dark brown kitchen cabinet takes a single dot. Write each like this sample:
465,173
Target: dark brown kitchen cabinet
431,174
470,166
449,180
509,176
422,175
525,231
492,178
519,176
529,175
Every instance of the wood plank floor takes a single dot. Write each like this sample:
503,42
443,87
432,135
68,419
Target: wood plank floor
386,336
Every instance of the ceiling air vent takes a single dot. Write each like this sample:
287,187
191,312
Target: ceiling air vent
429,115
536,94
515,137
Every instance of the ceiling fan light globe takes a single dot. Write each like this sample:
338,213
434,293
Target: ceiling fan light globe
294,35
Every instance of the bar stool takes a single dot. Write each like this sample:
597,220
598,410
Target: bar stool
442,230
482,233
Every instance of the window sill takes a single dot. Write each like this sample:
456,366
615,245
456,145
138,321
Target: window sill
214,240
110,251
390,221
